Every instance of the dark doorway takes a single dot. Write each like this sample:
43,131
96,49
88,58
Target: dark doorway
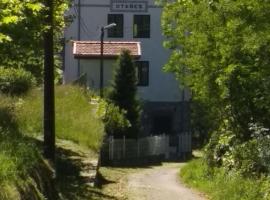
162,124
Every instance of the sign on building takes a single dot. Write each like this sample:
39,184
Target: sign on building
128,6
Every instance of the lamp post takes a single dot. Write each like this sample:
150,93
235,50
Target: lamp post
103,28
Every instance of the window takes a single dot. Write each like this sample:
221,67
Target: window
142,72
117,31
141,26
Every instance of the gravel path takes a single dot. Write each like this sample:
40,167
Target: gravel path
160,183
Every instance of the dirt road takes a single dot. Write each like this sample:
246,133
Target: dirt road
159,183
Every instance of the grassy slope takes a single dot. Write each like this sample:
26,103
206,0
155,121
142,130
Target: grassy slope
75,117
20,159
22,169
220,185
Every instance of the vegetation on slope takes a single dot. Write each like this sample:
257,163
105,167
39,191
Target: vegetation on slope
23,172
76,118
220,184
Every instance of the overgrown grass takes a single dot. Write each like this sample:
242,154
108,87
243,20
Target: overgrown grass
221,185
23,172
18,155
75,117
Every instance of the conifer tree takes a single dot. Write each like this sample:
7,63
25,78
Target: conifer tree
124,92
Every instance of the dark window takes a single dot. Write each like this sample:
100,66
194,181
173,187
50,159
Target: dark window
116,31
141,26
142,73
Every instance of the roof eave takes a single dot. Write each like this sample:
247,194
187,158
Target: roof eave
76,56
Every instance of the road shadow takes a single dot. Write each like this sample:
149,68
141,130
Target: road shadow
70,183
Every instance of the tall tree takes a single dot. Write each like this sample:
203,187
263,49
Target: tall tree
220,50
21,34
124,92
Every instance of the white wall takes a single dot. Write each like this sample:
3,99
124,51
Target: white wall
162,86
92,69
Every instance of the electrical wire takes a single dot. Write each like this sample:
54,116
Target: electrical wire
84,27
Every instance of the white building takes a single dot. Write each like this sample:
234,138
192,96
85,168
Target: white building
139,30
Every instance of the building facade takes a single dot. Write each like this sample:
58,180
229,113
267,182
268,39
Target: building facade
138,28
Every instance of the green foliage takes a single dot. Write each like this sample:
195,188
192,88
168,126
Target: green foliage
220,184
248,158
114,118
124,91
76,118
203,122
220,51
21,34
15,81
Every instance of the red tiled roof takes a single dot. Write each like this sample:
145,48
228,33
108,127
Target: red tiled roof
111,49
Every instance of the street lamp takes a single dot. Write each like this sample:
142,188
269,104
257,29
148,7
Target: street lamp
103,28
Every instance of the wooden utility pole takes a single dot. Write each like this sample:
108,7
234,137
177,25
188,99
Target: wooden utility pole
49,107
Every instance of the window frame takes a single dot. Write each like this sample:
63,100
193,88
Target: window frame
112,32
144,32
140,64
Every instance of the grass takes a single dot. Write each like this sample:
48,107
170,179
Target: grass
75,117
218,184
23,172
18,154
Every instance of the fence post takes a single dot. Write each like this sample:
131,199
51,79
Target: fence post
112,148
138,148
124,146
179,145
190,142
167,139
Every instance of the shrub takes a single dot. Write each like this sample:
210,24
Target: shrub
7,117
114,119
250,157
15,81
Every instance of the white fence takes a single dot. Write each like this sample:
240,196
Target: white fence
122,149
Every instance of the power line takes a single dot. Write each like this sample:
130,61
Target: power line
85,28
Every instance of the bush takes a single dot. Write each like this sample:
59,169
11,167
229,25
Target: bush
114,119
15,81
250,157
7,117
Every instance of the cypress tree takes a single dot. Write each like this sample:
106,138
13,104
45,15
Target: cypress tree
124,90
